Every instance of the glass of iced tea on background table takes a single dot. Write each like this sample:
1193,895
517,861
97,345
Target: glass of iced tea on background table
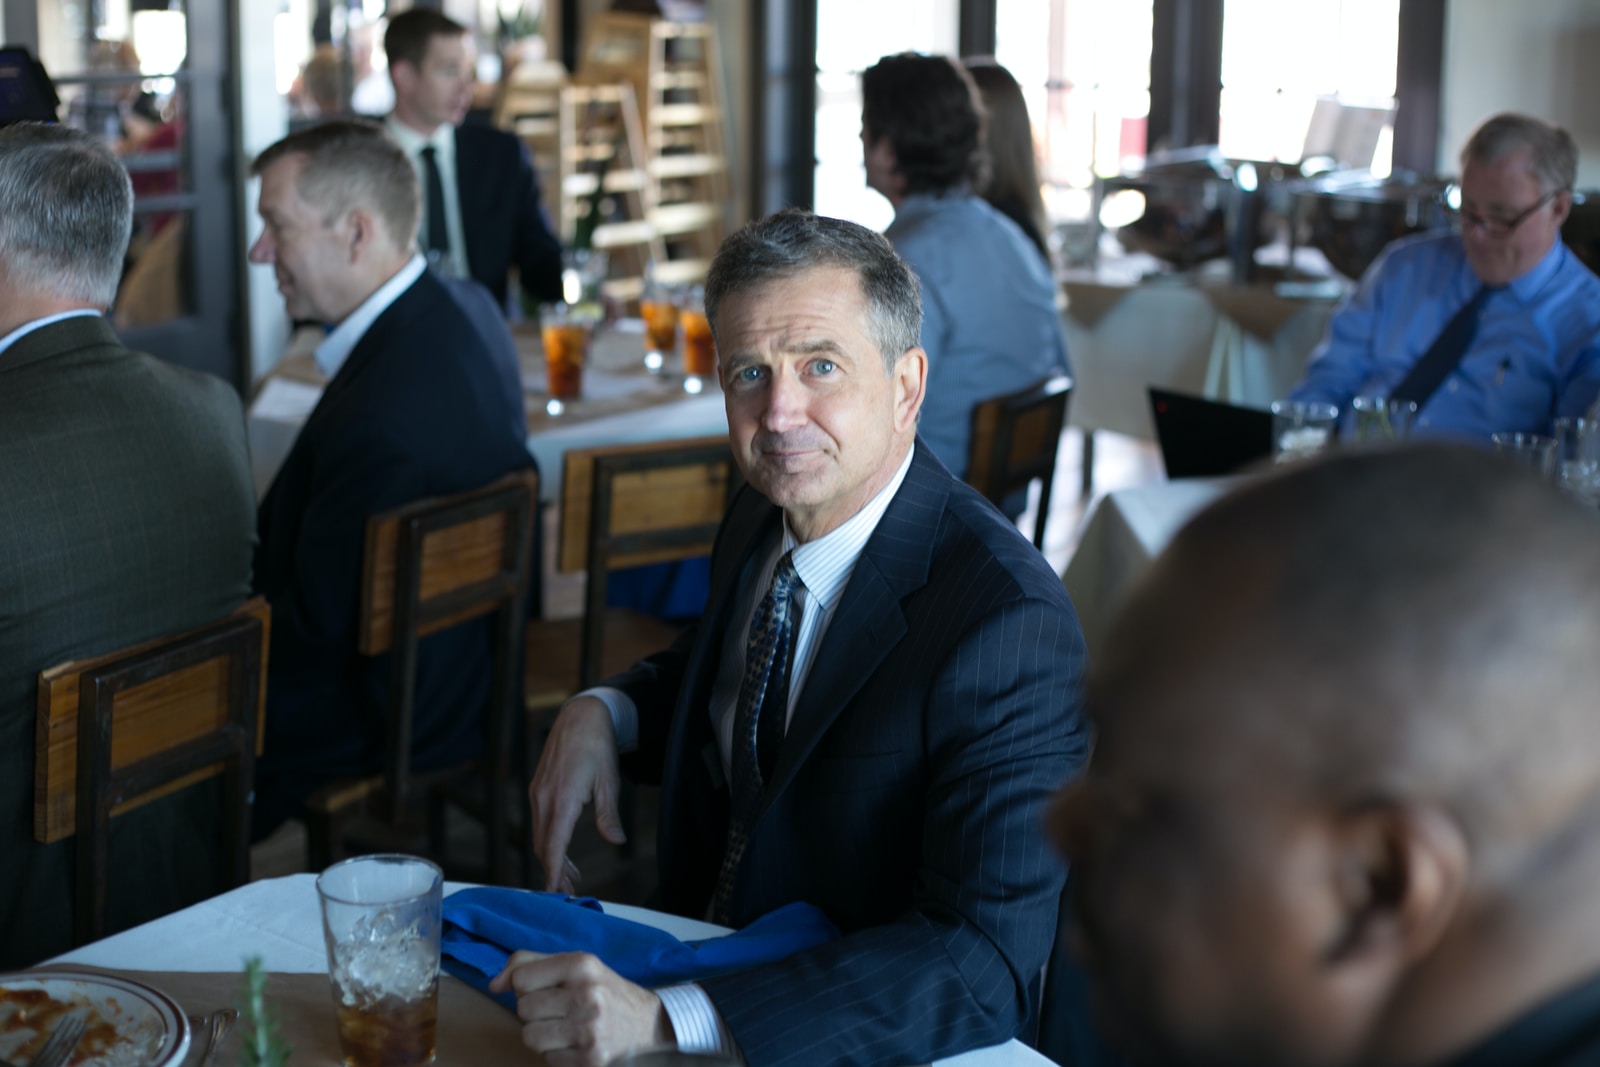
699,350
565,332
659,309
381,922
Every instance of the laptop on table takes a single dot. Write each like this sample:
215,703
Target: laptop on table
1205,438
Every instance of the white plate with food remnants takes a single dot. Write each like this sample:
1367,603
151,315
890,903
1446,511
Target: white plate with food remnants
130,1024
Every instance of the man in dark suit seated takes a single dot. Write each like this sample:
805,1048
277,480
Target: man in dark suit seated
129,515
413,409
481,212
1344,806
882,694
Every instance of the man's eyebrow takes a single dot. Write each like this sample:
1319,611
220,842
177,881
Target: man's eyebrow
821,344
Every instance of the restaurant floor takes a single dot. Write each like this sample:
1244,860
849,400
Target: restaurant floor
1120,462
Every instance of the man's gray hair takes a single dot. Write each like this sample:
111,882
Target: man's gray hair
793,241
350,163
66,213
1552,152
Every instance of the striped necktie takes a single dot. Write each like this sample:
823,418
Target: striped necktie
760,718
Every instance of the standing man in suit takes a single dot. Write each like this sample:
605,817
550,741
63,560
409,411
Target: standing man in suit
413,409
481,212
129,515
884,690
1493,327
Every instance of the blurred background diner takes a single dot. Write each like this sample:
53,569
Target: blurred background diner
1157,240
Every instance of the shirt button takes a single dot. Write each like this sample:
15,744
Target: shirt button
1455,386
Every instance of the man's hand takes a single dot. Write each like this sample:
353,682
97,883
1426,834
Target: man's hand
578,765
577,1011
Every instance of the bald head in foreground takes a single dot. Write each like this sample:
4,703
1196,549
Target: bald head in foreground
1344,805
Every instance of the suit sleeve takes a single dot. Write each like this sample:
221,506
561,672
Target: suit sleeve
1004,726
537,252
367,471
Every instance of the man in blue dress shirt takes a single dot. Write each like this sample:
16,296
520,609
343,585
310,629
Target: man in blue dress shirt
1534,352
989,321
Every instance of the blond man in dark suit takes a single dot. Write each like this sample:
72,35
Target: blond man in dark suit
129,514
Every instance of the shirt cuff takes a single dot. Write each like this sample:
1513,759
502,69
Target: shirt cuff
624,715
695,1022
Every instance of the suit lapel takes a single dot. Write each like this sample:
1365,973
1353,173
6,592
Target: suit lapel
469,164
868,621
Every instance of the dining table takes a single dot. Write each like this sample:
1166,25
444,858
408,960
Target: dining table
622,402
196,956
1121,537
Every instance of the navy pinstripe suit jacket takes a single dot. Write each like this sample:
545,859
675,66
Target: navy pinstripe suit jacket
941,711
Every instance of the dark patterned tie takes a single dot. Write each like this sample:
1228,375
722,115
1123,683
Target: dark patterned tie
759,720
1444,355
438,235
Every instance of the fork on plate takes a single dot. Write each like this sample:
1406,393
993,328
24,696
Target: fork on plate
63,1041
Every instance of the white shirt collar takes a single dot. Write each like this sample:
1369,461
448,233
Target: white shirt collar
28,327
824,565
442,139
335,349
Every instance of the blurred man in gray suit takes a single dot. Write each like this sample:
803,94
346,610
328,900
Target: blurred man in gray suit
129,514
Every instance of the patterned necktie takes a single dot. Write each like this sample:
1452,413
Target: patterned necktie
759,720
1444,355
438,234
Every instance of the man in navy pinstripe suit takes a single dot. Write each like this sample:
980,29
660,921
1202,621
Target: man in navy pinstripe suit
931,704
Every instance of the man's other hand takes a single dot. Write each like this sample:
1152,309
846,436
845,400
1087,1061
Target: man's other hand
578,765
577,1011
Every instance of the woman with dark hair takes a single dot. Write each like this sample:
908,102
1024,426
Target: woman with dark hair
1013,185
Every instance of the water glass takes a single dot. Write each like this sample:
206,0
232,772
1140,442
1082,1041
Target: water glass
381,922
1381,419
1578,458
1529,449
1301,428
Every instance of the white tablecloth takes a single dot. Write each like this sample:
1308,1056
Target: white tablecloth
1123,534
1242,345
279,920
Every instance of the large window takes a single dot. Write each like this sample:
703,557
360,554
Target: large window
1084,67
851,36
1317,75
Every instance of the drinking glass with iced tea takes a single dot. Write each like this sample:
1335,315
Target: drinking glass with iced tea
566,348
659,309
699,350
381,922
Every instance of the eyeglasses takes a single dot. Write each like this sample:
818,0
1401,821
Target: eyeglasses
1463,220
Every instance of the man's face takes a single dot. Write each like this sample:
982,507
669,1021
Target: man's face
309,255
817,425
1200,894
1495,194
440,91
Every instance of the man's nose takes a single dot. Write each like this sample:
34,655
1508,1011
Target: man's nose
786,401
262,251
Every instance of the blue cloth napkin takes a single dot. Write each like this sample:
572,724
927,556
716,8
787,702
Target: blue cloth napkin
483,926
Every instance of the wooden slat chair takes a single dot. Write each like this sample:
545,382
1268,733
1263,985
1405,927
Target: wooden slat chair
1015,439
117,731
622,506
428,566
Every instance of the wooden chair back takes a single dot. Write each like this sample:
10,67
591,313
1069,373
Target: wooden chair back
117,731
629,505
1015,439
434,564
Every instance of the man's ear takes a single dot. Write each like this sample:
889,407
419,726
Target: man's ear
360,233
910,379
1401,871
403,74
